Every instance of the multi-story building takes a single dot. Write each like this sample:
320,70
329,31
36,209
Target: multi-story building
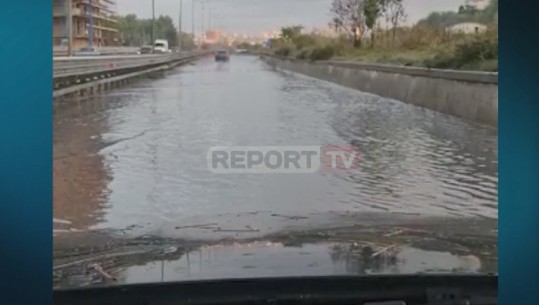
213,36
90,19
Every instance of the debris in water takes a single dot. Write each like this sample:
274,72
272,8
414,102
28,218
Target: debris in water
383,250
104,275
170,250
199,226
61,221
71,230
395,233
290,217
235,230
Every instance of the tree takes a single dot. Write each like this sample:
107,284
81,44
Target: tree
187,41
136,32
466,13
290,32
371,9
164,29
394,13
349,16
129,29
490,13
468,8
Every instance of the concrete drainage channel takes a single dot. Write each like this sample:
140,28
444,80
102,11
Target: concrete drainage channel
80,76
470,95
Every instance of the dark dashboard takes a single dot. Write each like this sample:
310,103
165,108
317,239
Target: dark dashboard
334,290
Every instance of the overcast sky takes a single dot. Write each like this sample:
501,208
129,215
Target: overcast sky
256,16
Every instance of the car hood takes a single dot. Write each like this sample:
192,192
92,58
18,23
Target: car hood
203,250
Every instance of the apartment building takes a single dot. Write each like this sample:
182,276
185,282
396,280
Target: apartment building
90,19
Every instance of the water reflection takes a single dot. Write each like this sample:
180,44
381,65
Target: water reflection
266,259
363,259
393,259
79,173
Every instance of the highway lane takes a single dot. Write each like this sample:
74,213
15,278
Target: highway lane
135,159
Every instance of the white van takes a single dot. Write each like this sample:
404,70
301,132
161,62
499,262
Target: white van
161,46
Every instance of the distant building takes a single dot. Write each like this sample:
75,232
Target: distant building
102,23
467,28
213,36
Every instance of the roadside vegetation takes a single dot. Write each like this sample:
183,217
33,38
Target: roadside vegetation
137,32
373,31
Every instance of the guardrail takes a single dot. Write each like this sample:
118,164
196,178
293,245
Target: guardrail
62,51
85,74
64,67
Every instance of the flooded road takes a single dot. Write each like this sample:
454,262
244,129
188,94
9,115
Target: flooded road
134,160
137,156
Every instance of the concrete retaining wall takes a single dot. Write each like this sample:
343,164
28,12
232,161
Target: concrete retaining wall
466,94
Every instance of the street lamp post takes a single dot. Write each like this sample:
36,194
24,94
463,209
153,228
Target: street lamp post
69,27
210,11
180,26
90,24
202,2
153,27
193,20
202,35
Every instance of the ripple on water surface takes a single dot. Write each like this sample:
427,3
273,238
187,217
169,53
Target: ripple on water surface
140,151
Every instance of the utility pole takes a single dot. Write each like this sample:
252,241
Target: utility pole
209,20
180,26
153,26
202,35
193,20
90,24
69,27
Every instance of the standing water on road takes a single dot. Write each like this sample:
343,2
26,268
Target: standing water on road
133,161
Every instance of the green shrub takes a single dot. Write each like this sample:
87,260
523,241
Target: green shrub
440,61
303,41
322,53
489,65
469,55
283,51
476,50
304,54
